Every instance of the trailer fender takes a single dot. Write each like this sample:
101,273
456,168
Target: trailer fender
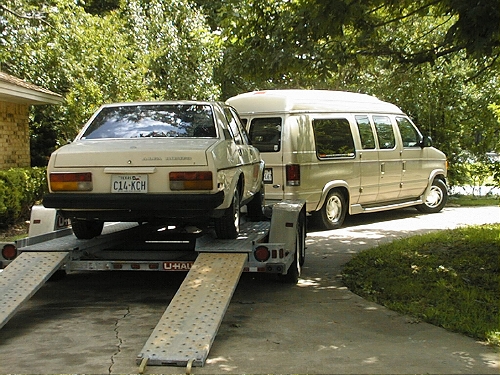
287,216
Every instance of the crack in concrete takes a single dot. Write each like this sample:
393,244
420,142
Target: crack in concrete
120,341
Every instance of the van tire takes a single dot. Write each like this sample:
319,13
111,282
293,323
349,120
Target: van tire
332,214
228,225
436,199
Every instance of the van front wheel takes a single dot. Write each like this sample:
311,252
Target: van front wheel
332,214
436,198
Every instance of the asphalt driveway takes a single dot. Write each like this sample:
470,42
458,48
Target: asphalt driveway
99,322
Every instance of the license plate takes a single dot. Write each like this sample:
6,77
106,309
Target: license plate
268,176
137,183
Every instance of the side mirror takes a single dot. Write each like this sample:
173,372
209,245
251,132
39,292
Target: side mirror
426,142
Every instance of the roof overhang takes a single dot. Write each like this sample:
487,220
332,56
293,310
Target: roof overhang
15,90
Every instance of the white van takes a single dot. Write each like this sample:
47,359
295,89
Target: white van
342,152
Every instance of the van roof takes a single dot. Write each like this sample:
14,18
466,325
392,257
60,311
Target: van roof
297,101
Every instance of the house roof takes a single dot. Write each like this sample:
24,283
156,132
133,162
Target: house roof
15,90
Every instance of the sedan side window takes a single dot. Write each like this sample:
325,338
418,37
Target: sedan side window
241,127
233,127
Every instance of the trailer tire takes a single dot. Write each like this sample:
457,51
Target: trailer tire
293,273
228,225
303,233
58,275
86,229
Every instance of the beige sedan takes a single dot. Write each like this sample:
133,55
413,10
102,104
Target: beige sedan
174,163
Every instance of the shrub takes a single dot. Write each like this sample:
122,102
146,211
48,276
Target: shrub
20,188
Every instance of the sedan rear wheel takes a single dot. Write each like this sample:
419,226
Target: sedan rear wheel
228,225
255,207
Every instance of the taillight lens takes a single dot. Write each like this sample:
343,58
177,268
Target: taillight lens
9,252
191,181
261,253
70,181
293,175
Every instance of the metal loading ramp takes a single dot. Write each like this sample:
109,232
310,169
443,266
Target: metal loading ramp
23,277
187,329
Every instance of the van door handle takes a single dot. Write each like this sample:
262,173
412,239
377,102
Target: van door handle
382,168
404,166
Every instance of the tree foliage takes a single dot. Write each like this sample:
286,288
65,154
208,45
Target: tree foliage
437,59
92,55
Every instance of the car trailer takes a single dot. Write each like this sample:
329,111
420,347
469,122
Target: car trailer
187,329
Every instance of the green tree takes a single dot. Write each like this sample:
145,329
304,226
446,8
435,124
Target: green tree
141,50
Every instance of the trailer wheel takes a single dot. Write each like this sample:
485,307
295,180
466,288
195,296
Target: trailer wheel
332,214
293,273
228,225
302,238
86,229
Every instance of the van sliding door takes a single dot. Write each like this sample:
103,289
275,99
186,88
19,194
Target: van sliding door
369,163
389,160
415,177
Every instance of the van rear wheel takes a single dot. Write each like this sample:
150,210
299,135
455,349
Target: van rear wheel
332,214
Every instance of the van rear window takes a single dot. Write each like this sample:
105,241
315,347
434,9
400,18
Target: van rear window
333,138
265,134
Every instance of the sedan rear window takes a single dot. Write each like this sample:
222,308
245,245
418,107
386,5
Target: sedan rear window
146,121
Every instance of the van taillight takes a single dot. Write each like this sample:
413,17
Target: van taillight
293,175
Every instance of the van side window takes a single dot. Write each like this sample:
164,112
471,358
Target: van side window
365,132
333,138
410,135
265,134
385,132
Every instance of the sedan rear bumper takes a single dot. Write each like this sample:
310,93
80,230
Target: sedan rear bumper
135,207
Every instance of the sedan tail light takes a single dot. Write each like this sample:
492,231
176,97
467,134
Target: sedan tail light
191,181
70,181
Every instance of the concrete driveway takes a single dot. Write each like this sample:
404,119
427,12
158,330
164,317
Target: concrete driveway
99,322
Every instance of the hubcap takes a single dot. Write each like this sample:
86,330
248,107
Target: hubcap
434,197
236,211
333,209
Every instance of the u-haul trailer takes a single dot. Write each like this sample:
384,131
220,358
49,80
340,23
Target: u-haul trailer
214,267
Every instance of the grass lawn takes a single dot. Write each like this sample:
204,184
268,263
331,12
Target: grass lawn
472,201
449,278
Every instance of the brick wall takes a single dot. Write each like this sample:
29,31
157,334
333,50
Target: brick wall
14,136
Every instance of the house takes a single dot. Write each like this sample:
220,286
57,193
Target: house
16,96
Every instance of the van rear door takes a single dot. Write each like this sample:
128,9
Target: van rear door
265,135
